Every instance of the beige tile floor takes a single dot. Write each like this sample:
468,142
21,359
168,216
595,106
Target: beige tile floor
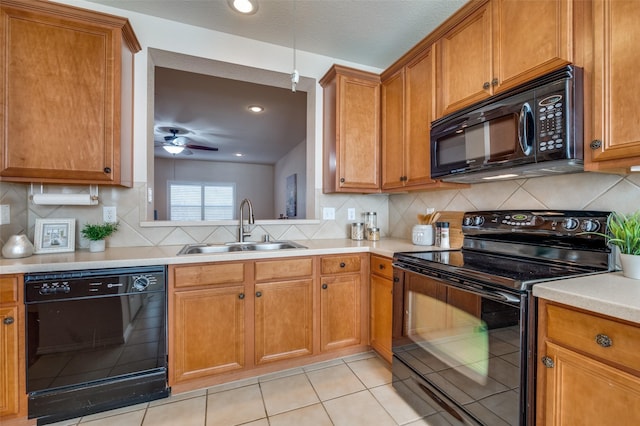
350,391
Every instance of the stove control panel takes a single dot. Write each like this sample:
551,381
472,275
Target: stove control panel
573,223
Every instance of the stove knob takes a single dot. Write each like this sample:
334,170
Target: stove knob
141,283
467,221
570,223
478,220
590,225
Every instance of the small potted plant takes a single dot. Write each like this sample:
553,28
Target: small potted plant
624,233
97,233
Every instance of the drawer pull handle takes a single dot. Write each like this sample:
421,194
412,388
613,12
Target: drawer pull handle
8,320
324,286
342,264
604,340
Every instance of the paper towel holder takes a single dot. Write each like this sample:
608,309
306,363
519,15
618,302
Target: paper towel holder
90,199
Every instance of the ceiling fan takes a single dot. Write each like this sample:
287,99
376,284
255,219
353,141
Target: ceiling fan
175,144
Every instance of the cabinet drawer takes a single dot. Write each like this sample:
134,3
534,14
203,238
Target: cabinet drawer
282,269
210,274
381,266
340,264
589,334
8,289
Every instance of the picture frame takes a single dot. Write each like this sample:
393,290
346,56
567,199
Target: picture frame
55,236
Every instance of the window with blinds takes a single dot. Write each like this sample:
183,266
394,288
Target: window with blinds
193,201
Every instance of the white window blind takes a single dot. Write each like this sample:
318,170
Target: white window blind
193,201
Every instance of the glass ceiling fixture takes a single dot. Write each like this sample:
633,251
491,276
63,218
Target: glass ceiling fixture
246,7
295,76
173,149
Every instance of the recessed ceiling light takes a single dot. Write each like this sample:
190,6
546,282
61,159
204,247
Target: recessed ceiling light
256,108
246,7
238,154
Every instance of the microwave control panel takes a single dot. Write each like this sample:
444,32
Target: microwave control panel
550,113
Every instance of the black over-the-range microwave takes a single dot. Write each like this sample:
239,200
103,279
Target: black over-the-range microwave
532,130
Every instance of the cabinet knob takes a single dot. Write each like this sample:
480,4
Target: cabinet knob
486,85
604,340
341,180
241,296
396,279
595,144
548,362
107,170
8,320
381,266
494,82
342,264
258,293
324,286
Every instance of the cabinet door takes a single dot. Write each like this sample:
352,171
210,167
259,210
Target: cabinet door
207,333
359,135
464,70
524,48
579,390
9,371
340,311
393,113
283,320
419,113
381,315
616,83
62,69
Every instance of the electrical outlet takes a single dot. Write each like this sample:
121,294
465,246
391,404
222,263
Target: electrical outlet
5,214
109,214
328,213
351,214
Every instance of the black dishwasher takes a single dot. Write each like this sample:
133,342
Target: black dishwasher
96,340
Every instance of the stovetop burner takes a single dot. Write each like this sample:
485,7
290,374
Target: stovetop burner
516,249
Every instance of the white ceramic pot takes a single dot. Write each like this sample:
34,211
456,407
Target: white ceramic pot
17,246
96,246
630,266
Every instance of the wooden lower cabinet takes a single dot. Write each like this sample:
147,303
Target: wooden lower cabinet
381,287
13,401
342,322
588,368
208,332
283,309
229,320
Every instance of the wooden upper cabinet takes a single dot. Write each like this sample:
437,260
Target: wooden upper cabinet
498,46
408,108
351,143
615,139
67,95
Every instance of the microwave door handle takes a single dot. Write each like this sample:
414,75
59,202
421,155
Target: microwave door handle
525,129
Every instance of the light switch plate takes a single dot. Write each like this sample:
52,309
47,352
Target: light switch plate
5,214
328,213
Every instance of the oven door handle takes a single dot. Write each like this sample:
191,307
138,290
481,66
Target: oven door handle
498,295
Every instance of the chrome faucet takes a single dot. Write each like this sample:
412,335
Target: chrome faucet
241,230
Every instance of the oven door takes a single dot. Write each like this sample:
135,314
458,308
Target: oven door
461,350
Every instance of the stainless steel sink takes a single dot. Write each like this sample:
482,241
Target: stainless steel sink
239,247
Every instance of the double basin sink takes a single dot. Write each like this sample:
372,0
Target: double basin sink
239,247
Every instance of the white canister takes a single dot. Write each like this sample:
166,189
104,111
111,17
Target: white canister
422,235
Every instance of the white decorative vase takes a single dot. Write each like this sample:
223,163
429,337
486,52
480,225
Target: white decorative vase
96,246
630,266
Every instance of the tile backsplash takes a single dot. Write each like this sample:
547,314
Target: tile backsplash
396,213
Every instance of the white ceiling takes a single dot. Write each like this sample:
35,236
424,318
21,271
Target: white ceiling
368,32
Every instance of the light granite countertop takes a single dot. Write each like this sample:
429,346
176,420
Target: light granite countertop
608,294
167,255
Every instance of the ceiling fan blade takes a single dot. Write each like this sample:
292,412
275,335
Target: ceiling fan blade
202,147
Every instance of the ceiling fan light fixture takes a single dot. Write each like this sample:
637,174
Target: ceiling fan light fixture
246,7
173,149
255,108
